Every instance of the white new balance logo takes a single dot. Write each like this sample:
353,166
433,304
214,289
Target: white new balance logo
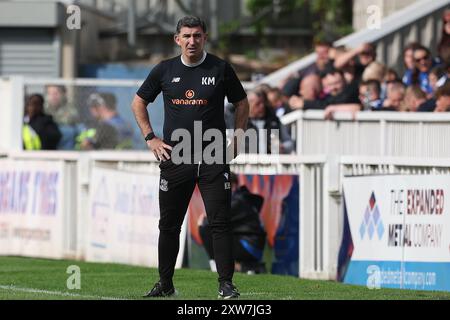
176,79
207,81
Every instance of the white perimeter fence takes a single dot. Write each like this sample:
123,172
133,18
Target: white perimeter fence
320,194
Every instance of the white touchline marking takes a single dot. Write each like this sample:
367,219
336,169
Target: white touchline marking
57,293
253,293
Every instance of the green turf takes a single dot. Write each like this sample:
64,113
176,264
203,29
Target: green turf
20,275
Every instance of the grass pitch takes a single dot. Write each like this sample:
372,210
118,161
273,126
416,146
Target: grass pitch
27,278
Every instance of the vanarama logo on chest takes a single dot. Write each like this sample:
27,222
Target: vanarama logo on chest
190,94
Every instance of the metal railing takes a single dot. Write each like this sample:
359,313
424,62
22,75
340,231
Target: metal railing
420,135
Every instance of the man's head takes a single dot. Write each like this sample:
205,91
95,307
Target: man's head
423,59
322,49
257,104
395,94
102,105
56,96
368,55
191,36
275,97
414,97
34,105
437,77
334,82
443,98
369,91
310,87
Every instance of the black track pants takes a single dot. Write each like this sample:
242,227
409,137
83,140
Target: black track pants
177,183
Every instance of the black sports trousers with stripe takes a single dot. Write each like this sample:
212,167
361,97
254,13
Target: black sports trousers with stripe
177,183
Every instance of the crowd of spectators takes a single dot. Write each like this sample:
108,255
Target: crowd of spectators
51,122
352,80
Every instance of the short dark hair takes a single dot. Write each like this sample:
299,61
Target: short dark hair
331,71
439,71
110,100
443,91
423,48
191,22
322,43
36,99
104,98
373,85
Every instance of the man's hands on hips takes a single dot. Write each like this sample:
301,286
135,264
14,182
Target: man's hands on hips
159,149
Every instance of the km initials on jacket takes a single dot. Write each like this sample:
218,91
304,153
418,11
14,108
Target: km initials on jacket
207,81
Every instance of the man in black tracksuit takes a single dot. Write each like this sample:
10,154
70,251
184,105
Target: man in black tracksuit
194,86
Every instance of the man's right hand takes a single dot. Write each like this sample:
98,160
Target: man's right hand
158,147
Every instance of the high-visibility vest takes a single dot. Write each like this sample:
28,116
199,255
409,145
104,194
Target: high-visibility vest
31,140
86,134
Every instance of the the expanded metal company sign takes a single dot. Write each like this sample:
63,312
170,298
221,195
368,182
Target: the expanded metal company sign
400,228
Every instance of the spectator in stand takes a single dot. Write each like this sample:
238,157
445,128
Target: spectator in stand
342,97
96,133
264,87
276,101
105,106
424,63
437,77
40,132
444,44
365,54
339,91
415,99
64,114
349,69
443,98
408,60
310,90
395,96
322,63
370,95
261,117
377,71
391,75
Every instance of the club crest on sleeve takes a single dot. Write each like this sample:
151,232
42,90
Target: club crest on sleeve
164,185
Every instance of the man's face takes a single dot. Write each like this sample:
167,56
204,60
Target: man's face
322,54
94,112
310,87
363,93
274,98
334,83
396,98
423,60
192,42
366,57
256,104
54,96
443,104
32,109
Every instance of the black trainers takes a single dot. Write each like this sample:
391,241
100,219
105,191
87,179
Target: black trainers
159,291
228,291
